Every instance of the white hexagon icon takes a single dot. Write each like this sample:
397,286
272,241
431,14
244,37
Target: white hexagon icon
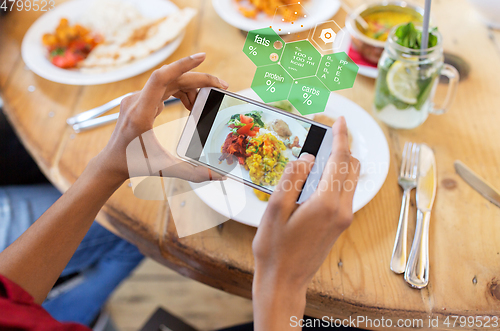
328,36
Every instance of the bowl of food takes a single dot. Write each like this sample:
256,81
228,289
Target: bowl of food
381,18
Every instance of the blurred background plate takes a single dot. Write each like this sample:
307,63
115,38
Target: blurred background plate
317,10
34,54
369,146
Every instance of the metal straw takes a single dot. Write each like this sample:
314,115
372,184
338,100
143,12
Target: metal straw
425,27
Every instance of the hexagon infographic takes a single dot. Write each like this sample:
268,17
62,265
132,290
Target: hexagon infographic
300,59
308,95
337,71
263,46
328,36
296,71
272,83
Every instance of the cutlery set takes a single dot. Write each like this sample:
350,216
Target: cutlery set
90,119
418,170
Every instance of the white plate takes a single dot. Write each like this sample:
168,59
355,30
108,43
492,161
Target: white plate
317,11
368,145
34,54
366,71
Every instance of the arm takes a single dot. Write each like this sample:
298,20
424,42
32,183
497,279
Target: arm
292,242
37,258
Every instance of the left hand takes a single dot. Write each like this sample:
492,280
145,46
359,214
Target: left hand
293,241
139,111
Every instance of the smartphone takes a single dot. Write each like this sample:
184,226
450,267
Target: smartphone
250,141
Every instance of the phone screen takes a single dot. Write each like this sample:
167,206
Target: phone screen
249,141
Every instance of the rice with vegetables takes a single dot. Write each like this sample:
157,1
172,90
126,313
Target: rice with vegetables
266,162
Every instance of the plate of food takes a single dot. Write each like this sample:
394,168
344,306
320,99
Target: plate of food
285,16
88,43
285,135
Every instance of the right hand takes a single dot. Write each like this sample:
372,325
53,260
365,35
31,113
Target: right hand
138,113
293,241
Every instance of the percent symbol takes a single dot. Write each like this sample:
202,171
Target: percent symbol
253,50
271,86
307,98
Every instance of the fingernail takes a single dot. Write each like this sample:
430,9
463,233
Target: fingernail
224,84
306,155
198,56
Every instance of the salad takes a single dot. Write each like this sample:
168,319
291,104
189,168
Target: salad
261,148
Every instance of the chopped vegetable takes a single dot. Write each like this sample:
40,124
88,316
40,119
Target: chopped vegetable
257,118
245,124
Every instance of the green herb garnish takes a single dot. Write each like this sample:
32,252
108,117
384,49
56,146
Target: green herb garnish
257,118
57,51
408,36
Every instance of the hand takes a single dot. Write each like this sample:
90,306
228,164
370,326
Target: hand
293,241
139,111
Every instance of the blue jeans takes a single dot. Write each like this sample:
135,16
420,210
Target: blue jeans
102,259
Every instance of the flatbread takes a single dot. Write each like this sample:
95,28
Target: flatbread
107,17
138,39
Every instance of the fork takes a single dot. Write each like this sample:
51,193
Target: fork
89,119
408,181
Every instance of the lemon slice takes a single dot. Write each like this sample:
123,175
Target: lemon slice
402,82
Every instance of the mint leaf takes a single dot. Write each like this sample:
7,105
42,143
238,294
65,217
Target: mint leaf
408,36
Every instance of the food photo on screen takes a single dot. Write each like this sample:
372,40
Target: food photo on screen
252,142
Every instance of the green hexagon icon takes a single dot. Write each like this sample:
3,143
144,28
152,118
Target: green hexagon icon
300,59
272,83
337,71
309,95
263,46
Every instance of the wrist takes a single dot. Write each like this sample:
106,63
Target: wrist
100,169
276,301
278,288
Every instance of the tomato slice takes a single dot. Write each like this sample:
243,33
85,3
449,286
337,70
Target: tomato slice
245,130
246,119
59,61
253,132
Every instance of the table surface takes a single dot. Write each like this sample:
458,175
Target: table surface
355,279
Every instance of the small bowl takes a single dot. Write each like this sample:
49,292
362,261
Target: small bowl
370,48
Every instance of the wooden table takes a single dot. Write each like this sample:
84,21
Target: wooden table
355,278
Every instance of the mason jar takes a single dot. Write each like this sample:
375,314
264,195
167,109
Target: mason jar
406,83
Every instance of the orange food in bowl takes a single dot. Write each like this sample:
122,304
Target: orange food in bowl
69,45
288,10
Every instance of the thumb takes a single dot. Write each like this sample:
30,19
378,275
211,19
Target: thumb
288,190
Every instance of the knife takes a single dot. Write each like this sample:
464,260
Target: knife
477,183
417,269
